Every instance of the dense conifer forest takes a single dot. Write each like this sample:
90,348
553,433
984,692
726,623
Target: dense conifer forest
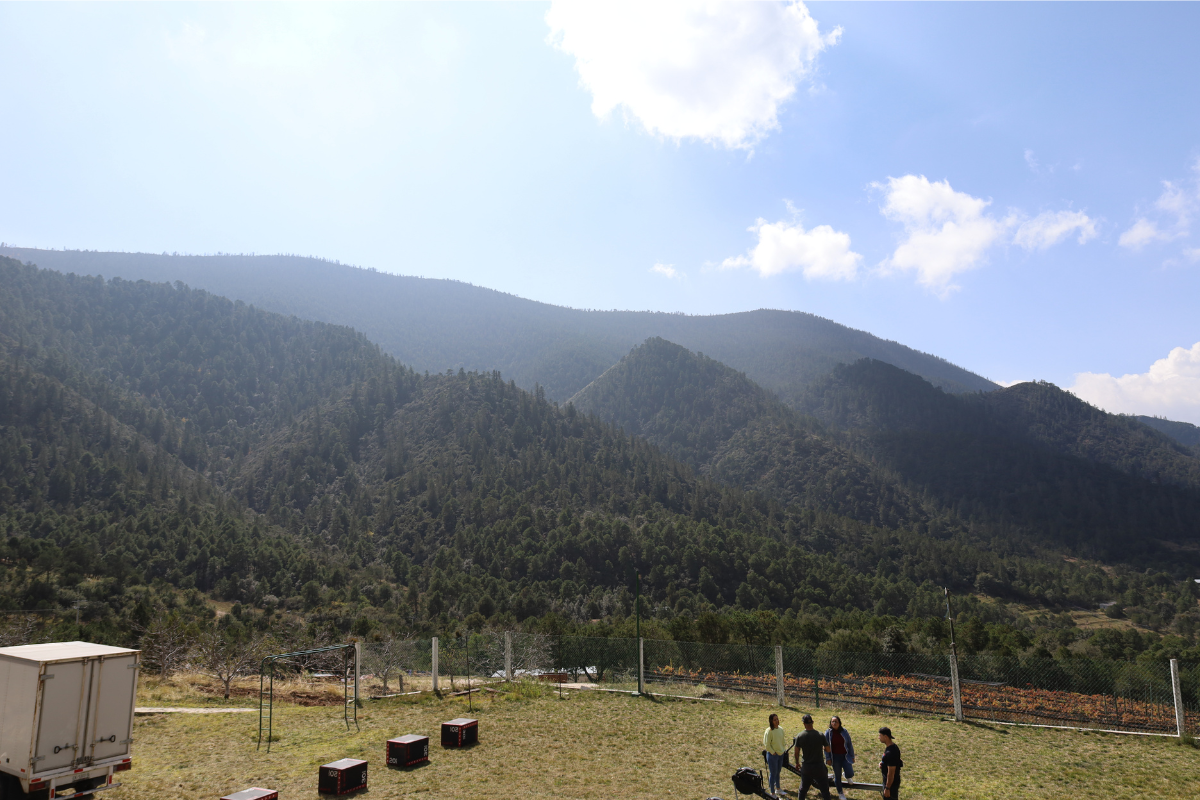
163,449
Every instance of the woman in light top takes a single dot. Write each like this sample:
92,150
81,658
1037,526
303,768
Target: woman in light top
776,744
841,752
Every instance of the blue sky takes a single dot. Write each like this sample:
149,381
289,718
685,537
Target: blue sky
1014,187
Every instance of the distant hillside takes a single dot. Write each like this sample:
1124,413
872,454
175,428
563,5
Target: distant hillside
435,325
1027,464
729,428
1185,433
155,436
873,398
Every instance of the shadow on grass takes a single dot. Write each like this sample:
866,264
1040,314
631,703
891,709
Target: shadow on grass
985,726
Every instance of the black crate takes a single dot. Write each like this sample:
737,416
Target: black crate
342,777
460,732
253,794
407,751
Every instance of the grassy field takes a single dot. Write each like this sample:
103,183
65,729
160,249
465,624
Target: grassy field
602,745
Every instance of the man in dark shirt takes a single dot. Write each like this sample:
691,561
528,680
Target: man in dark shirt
811,754
890,764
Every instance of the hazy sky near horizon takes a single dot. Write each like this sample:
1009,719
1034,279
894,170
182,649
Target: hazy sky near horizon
1014,187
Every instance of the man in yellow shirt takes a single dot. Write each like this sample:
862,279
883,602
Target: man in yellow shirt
775,742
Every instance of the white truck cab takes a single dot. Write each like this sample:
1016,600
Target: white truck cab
66,718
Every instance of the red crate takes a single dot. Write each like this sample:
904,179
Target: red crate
342,777
407,751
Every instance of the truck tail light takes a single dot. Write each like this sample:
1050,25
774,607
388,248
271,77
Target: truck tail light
126,763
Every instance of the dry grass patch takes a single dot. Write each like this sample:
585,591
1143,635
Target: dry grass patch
600,745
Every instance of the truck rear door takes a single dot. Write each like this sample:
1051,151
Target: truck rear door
64,690
114,681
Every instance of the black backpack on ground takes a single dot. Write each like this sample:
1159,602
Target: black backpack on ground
748,781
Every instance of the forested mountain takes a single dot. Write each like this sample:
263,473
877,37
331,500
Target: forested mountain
871,396
434,325
461,486
161,446
1185,433
1026,464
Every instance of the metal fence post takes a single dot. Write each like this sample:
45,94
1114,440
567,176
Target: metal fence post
508,655
434,669
779,674
955,689
641,666
357,670
1180,723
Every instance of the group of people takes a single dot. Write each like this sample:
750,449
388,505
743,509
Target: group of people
814,753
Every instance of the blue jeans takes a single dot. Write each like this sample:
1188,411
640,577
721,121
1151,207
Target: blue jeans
840,763
773,765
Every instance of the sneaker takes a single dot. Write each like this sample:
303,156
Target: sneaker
841,796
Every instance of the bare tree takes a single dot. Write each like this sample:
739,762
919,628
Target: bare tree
226,655
386,656
15,630
167,643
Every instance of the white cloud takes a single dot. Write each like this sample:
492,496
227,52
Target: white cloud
947,232
1051,227
717,72
786,247
1032,162
1141,233
666,270
1170,388
1175,208
1191,253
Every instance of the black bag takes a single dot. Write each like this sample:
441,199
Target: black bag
747,781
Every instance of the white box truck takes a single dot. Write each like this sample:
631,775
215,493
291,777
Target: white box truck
66,718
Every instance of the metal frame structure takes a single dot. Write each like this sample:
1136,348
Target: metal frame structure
266,673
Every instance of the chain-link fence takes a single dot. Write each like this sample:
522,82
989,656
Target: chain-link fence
1078,692
395,665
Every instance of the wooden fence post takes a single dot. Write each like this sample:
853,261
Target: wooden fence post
1180,722
434,653
508,655
641,666
955,688
779,674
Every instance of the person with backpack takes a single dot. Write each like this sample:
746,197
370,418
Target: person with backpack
811,756
890,764
775,743
841,752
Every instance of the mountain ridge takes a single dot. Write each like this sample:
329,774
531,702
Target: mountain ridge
436,324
